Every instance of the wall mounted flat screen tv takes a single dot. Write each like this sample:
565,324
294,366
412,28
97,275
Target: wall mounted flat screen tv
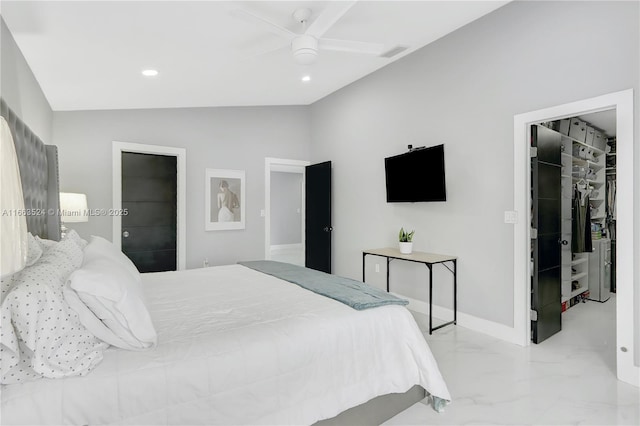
416,176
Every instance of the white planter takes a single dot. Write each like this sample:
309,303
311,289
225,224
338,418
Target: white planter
406,248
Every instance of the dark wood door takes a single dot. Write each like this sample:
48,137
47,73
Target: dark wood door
546,282
149,193
318,217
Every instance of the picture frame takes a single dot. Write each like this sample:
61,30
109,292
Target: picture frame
224,199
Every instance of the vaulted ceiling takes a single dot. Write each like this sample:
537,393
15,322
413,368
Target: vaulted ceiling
89,54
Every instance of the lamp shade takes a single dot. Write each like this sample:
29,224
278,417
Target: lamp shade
13,230
73,207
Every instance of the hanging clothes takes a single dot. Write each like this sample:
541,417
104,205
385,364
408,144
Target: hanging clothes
588,244
611,196
611,207
580,223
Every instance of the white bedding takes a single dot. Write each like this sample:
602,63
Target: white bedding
236,346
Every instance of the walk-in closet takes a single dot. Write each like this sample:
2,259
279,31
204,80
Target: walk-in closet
573,218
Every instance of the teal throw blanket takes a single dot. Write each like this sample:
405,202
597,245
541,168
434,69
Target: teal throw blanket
353,293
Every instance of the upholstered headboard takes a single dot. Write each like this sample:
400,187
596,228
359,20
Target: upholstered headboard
39,174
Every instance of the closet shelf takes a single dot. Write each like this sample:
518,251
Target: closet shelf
587,162
578,261
578,276
577,142
576,292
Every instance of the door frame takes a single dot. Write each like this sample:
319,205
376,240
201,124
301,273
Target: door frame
626,284
288,166
181,163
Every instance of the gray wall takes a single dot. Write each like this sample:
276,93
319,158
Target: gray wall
286,203
221,138
19,88
463,91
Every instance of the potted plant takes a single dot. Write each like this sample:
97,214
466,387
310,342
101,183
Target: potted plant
405,240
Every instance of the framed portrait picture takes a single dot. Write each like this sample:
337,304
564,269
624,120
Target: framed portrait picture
224,207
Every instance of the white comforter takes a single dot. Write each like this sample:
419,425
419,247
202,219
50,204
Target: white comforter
239,347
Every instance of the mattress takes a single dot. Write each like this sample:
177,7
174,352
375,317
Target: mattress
236,346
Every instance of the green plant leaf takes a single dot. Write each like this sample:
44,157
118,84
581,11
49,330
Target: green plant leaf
405,237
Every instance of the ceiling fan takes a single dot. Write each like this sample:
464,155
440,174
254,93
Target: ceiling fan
305,45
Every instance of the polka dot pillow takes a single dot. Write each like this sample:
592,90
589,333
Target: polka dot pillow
41,336
73,235
34,251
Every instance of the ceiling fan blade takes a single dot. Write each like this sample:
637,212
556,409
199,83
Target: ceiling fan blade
352,46
265,49
334,11
263,22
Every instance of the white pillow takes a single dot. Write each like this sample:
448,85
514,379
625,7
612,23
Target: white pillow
34,250
115,298
73,235
45,244
89,320
99,248
35,314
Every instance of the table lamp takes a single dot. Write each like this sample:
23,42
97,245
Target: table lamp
74,209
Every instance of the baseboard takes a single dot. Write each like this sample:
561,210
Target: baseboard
494,329
286,246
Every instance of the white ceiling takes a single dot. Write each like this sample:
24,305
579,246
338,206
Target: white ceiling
604,120
88,54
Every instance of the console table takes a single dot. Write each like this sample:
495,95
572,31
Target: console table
428,259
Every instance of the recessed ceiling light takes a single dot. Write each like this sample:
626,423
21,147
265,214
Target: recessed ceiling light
150,73
306,78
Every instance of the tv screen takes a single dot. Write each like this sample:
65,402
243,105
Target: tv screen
417,175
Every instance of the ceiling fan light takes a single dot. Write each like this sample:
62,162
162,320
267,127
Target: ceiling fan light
305,49
305,56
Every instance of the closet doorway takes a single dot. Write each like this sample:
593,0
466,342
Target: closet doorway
573,220
622,104
285,210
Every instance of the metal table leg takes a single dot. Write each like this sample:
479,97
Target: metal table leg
430,298
455,297
455,291
363,256
388,262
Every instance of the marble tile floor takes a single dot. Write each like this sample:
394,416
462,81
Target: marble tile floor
567,379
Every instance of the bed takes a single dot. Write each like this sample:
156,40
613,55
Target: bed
238,346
